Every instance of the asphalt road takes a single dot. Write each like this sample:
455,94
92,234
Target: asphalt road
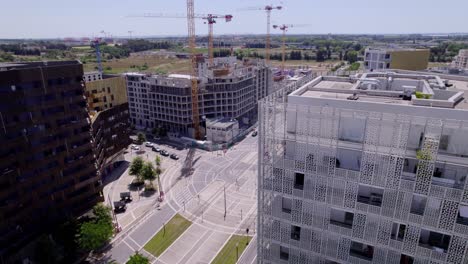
219,198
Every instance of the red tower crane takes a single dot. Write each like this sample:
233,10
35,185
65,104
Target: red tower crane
284,28
268,10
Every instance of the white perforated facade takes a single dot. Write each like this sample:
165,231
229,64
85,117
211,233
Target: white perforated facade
369,180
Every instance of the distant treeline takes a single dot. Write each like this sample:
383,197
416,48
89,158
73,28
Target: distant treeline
136,45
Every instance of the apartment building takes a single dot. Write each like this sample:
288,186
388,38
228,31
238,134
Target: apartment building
110,120
227,89
366,169
396,58
461,60
47,166
104,93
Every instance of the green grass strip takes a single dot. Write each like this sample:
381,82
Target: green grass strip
166,236
229,253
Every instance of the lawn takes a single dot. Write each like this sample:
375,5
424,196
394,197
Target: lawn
354,67
166,236
228,255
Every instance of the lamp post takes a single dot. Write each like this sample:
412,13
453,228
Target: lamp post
225,210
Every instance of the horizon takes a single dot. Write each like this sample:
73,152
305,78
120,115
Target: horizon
51,19
429,34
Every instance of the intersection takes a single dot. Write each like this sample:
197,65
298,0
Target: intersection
219,198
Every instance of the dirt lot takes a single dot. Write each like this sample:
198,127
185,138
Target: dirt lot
155,64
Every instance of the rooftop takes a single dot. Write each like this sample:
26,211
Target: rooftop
221,123
392,48
25,65
390,88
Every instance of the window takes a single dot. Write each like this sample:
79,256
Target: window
341,218
418,204
296,233
434,240
406,259
108,89
284,253
361,250
444,142
299,181
398,231
370,195
112,97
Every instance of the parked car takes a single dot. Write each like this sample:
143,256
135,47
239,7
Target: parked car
164,153
134,147
148,144
174,157
125,197
254,134
120,207
156,149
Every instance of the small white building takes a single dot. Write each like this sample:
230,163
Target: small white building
221,130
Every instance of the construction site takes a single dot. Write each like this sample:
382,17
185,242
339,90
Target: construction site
226,89
219,95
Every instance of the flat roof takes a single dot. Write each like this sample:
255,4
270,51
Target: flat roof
221,123
343,88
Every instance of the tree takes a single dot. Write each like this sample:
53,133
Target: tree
94,235
321,54
147,172
97,232
352,56
141,138
138,259
136,167
102,213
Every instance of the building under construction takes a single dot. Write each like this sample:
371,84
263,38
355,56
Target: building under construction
227,89
364,169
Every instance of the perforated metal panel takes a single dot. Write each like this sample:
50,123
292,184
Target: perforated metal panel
309,141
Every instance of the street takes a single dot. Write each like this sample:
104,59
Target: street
219,198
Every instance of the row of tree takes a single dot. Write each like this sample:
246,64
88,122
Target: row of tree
445,52
146,171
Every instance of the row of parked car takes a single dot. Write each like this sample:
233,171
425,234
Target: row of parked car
161,151
121,206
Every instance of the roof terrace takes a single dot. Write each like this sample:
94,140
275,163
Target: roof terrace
389,88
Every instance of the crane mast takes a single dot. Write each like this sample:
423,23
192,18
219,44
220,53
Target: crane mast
194,70
268,10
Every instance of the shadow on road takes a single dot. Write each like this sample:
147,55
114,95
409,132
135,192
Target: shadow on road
116,172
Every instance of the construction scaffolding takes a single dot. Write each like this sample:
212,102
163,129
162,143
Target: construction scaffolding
309,141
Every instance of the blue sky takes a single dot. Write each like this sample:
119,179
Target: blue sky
85,18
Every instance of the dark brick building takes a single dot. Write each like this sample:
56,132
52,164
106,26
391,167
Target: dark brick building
111,133
48,170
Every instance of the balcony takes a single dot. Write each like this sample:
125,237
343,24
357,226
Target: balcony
362,251
370,195
341,218
434,240
462,217
445,174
